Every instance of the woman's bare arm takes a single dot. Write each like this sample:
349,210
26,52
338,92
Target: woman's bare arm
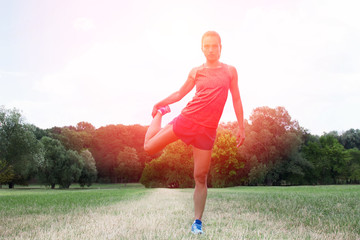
238,108
178,95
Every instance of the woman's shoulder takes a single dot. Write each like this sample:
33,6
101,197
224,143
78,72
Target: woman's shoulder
197,68
194,70
230,67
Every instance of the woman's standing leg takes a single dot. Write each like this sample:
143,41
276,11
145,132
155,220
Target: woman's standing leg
202,160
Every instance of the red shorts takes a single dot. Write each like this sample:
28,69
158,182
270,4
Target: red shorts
194,134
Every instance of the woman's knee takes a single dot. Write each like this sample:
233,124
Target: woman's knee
147,147
164,137
200,177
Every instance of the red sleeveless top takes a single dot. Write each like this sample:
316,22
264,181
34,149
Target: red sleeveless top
212,87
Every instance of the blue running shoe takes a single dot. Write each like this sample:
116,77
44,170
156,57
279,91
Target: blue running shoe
196,227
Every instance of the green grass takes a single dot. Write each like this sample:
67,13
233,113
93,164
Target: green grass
39,200
325,209
113,211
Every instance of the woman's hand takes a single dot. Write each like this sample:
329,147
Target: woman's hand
240,137
154,111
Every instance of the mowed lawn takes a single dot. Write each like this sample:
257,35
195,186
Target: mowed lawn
133,212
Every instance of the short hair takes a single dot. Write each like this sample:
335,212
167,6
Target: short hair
210,33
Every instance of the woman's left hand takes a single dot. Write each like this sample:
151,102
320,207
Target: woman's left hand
240,137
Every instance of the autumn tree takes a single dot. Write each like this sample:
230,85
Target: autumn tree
174,168
128,166
86,132
109,141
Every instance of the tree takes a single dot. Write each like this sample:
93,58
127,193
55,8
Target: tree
86,132
174,168
69,137
225,162
272,137
89,172
109,141
353,165
328,157
85,127
70,171
7,175
334,156
19,148
59,166
350,139
38,132
296,169
54,158
257,174
129,167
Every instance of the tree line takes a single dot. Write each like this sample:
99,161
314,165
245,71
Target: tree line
276,151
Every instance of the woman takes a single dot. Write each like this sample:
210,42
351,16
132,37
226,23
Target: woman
198,121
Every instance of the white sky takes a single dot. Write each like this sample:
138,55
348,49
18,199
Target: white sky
108,62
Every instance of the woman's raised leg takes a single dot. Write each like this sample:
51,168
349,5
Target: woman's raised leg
156,138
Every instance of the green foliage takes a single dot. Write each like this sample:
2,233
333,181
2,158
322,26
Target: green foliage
38,132
69,138
8,174
271,141
129,167
174,168
89,172
257,174
351,171
59,166
54,155
296,169
328,157
350,139
74,138
225,163
276,151
109,141
70,170
18,147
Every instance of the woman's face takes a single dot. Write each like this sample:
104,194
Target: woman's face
211,48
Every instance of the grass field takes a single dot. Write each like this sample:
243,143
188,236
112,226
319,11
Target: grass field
133,212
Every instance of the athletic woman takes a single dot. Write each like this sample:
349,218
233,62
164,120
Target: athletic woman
198,121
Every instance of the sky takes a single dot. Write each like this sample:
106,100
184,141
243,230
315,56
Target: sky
108,62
